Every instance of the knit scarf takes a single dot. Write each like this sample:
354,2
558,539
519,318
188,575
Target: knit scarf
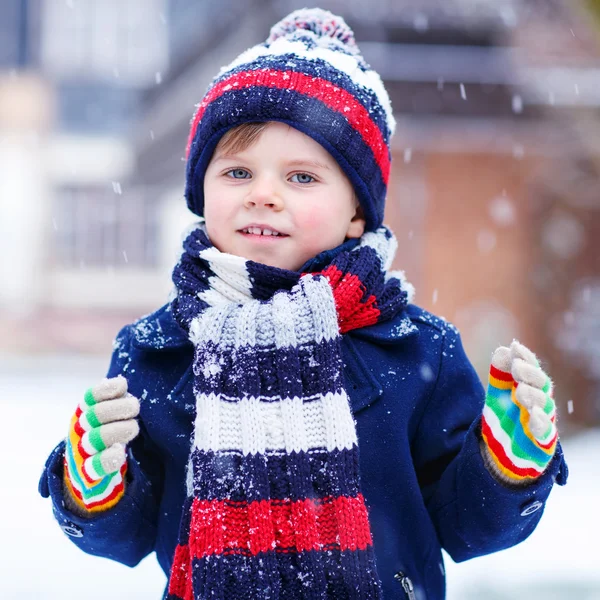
274,508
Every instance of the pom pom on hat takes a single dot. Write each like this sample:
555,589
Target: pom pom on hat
310,74
321,23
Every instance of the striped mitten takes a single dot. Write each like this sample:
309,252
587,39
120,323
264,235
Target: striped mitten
95,459
518,426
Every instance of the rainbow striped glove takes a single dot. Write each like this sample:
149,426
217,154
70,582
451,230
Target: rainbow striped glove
95,460
518,425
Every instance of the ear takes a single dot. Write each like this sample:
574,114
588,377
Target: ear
357,225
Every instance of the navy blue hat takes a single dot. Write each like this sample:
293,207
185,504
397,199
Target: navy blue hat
309,74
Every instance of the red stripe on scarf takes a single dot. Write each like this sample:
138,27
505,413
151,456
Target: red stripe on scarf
348,293
224,526
180,582
331,95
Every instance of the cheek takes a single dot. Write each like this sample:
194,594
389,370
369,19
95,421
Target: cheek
211,212
312,218
314,227
209,199
217,204
322,221
217,214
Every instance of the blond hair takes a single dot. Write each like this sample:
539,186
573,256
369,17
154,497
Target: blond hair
241,137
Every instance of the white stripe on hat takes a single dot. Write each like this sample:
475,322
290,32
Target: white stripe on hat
369,80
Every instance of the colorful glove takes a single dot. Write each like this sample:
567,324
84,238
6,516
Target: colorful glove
95,459
518,426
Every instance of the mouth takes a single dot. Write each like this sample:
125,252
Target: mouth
261,231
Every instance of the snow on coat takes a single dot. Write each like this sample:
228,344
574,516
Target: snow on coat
417,402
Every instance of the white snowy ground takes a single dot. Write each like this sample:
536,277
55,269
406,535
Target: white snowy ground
37,560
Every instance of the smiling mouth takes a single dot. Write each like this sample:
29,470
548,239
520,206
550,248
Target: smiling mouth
262,232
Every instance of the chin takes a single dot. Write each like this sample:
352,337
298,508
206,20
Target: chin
281,264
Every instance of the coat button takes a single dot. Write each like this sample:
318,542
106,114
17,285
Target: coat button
531,508
72,529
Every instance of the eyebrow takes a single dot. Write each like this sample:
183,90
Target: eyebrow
307,162
299,162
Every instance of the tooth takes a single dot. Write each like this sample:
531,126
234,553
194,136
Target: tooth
255,230
267,232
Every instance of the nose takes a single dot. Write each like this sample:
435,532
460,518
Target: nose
264,192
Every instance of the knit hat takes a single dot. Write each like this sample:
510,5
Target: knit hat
309,74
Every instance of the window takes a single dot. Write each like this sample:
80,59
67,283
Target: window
118,40
99,227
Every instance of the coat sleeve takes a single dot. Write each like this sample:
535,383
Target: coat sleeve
127,532
473,513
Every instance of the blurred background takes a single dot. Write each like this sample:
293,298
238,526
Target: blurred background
494,199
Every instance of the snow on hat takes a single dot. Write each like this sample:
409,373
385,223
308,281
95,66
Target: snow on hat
309,74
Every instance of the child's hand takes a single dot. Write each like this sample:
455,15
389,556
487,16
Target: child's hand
518,425
95,458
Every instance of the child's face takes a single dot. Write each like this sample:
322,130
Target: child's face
285,182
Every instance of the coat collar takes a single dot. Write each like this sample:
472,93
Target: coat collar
159,331
388,332
362,385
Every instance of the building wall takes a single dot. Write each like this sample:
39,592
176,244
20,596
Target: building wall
492,245
464,242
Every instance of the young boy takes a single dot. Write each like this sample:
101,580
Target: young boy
290,425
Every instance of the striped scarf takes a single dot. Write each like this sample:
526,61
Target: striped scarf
274,507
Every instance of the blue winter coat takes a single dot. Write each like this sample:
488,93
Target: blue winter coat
417,404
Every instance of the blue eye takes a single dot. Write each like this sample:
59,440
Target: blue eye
238,174
302,178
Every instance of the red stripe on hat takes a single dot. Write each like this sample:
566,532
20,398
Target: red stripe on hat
498,451
224,526
331,95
